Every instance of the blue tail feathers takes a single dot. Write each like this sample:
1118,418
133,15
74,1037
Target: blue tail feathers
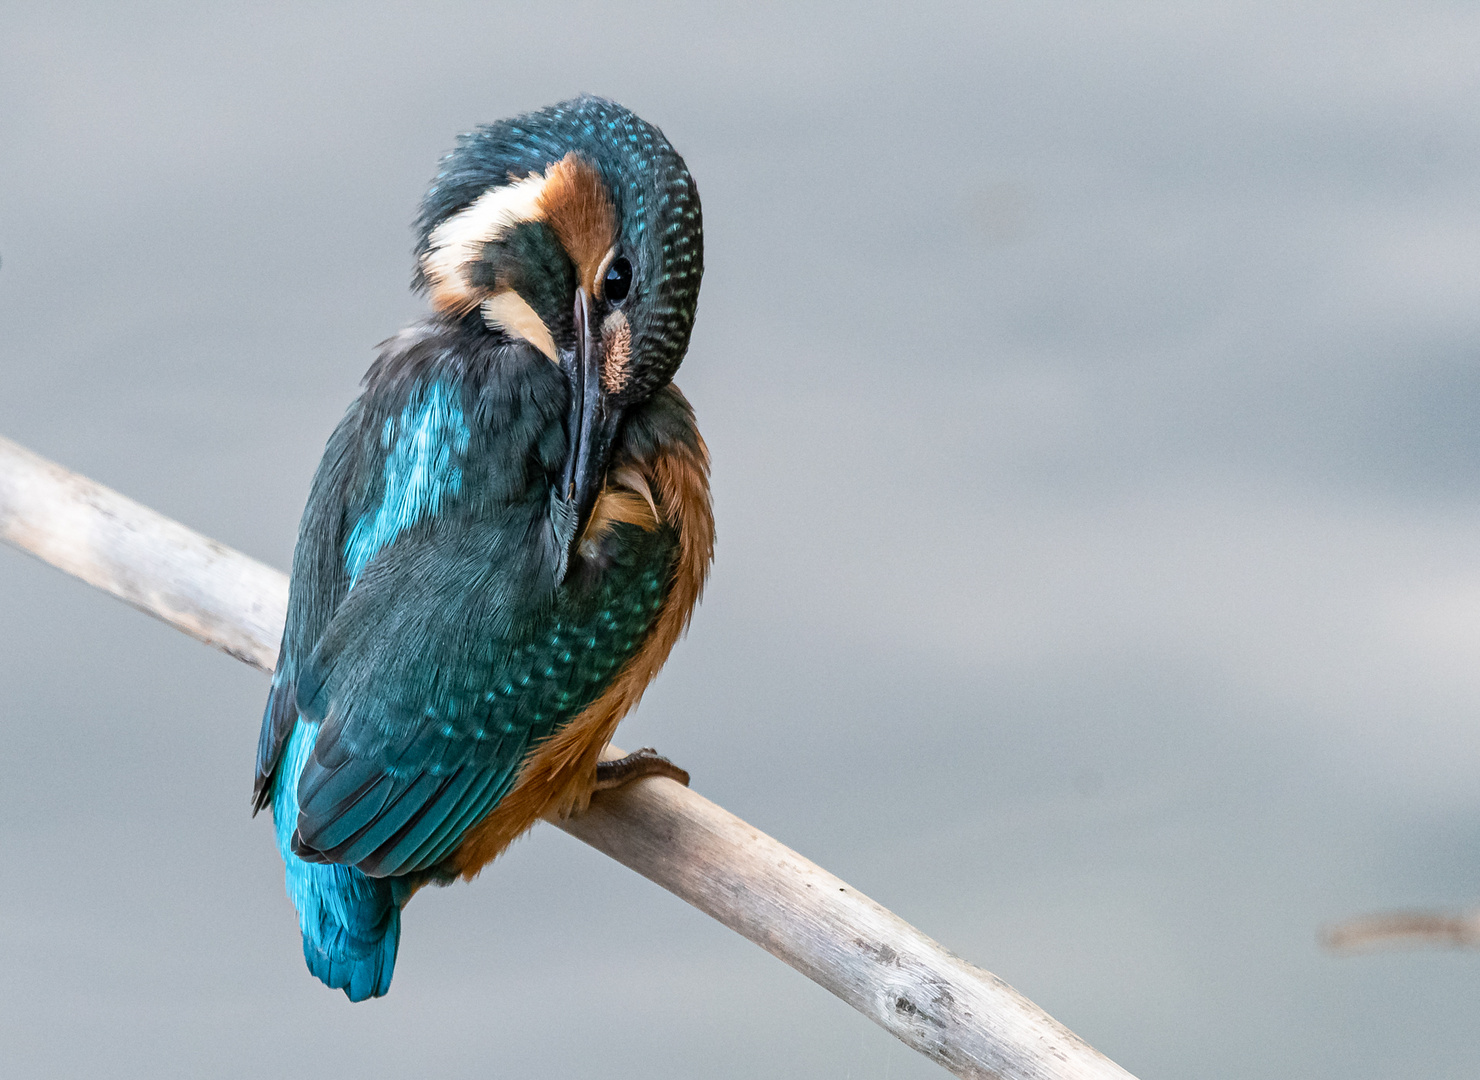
351,923
361,968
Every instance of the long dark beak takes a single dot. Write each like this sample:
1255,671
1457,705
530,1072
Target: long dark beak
593,418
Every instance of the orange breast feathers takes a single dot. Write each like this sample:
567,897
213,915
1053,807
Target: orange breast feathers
558,778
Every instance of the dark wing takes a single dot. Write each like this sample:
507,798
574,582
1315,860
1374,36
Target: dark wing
450,659
319,583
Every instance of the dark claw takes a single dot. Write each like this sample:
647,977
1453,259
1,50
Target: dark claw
636,765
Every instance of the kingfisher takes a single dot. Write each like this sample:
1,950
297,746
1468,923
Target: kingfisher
508,531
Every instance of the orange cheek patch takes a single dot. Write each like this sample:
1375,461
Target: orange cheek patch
575,204
570,197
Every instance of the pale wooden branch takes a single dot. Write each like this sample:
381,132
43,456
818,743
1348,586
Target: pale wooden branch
959,1015
206,589
1404,929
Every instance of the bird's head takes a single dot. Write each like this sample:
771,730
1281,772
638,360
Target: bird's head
575,229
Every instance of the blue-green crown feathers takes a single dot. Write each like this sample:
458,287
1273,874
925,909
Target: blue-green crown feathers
660,224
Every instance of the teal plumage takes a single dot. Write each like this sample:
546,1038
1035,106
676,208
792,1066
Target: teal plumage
458,597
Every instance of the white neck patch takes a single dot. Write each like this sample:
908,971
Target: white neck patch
511,313
458,242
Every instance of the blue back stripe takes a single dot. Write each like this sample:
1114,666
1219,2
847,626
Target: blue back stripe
424,448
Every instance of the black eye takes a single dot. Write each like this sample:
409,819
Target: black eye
618,280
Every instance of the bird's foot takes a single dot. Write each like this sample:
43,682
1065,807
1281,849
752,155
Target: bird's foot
644,762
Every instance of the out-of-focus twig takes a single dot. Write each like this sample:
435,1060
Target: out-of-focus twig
1404,930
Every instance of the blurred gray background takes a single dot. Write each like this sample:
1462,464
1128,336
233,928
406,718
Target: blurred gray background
1095,410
